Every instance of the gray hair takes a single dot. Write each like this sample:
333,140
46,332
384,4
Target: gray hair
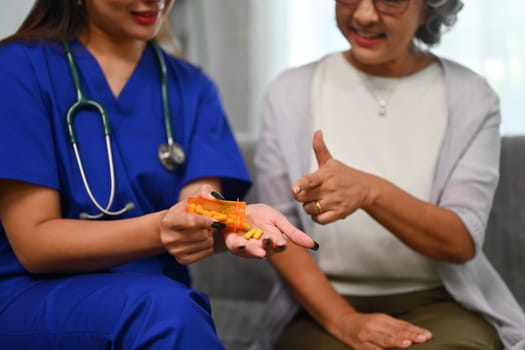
442,15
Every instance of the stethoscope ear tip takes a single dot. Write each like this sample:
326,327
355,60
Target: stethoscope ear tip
84,216
130,206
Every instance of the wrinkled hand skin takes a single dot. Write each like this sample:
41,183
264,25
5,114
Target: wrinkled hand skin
340,189
190,237
378,332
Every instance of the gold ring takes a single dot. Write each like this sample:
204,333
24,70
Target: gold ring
320,209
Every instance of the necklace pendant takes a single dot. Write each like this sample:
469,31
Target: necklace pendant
382,108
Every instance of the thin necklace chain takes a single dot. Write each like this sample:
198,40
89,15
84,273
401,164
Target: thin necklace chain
380,95
383,99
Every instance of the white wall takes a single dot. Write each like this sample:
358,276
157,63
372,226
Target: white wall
12,15
217,35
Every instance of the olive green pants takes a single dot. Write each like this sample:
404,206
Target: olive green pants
452,326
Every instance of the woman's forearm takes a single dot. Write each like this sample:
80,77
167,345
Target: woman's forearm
310,286
433,231
63,245
44,242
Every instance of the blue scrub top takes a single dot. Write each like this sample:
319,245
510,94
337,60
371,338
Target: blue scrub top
36,90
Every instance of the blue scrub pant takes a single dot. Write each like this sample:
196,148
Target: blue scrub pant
108,311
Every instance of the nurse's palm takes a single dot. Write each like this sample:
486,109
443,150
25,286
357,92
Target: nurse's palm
277,230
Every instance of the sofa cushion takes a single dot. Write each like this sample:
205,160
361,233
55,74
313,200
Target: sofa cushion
505,240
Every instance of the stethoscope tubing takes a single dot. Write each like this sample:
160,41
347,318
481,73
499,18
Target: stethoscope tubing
170,155
83,103
164,91
102,210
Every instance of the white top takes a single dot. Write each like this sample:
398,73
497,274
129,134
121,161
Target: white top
360,115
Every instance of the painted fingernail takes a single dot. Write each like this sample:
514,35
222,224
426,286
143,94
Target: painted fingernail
296,189
267,241
316,246
217,195
218,225
280,248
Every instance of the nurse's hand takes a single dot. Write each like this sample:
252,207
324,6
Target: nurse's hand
191,237
277,230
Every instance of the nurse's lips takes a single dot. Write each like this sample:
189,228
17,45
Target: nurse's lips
146,17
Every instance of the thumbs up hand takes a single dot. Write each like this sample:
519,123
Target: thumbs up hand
335,190
322,154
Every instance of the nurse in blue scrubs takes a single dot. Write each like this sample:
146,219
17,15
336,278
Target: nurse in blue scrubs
94,239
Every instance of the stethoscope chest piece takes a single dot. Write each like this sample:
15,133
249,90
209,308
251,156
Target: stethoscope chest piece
171,155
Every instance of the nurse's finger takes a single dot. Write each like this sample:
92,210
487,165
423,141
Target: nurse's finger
294,234
182,221
205,191
186,253
255,247
271,247
240,246
276,226
272,236
187,258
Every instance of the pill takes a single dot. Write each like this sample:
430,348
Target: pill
258,233
250,233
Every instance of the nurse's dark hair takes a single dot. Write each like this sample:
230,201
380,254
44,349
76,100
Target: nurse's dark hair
51,20
441,16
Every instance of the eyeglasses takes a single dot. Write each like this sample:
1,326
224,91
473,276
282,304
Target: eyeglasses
387,7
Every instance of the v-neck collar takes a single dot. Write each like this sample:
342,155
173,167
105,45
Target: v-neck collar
95,78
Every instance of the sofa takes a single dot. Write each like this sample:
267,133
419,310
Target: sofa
238,288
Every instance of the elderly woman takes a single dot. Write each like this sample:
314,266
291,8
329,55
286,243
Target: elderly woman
397,191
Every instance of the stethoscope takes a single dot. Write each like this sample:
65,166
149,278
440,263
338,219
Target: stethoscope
170,154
